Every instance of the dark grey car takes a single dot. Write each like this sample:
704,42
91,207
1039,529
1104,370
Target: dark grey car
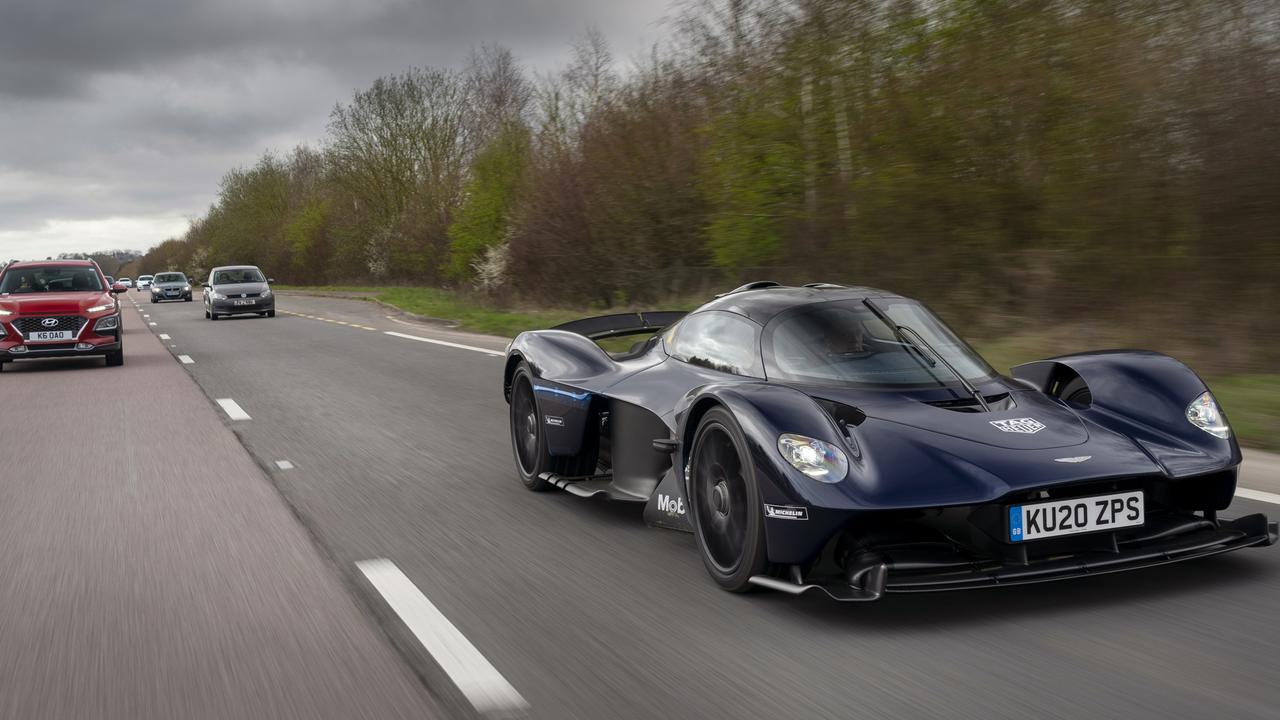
238,290
170,286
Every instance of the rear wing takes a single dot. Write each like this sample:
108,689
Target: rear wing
607,326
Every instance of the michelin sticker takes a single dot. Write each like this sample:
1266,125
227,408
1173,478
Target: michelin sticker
786,512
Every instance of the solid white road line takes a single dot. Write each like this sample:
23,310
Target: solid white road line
1259,495
234,411
185,359
284,464
486,351
480,681
165,337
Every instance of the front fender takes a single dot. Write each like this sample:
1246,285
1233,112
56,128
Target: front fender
764,412
1143,395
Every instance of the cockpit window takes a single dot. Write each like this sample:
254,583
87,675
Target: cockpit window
845,343
718,340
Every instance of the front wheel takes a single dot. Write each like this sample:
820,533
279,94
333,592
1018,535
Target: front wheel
115,359
724,502
271,313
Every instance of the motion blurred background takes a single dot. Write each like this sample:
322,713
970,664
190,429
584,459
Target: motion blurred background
1049,175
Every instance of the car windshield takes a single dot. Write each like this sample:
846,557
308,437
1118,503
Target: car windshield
232,276
170,278
51,278
144,277
844,343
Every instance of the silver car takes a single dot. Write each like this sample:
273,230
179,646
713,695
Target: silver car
238,290
170,286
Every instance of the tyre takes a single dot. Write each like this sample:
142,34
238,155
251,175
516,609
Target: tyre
724,503
271,313
154,301
186,299
529,441
115,359
213,315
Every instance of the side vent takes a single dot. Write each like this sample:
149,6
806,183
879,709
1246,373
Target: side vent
844,415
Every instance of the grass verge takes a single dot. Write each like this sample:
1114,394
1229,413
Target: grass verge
1251,401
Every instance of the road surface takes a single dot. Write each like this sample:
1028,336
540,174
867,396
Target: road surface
388,440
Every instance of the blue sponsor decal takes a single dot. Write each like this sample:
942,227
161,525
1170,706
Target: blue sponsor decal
564,393
1015,523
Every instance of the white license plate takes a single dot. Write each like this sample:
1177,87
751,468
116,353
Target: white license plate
51,336
1076,515
243,302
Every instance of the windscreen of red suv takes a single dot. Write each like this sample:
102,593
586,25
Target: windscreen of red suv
37,279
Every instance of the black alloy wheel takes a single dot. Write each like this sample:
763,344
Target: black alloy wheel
527,440
725,503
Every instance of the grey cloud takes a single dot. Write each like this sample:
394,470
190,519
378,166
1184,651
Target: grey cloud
135,108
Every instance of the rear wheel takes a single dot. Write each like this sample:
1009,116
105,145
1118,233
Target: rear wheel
724,501
528,440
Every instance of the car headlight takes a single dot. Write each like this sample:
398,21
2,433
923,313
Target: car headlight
266,293
5,313
217,296
107,323
186,288
820,460
1203,412
102,308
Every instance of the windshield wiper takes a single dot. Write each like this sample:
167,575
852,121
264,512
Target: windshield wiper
902,331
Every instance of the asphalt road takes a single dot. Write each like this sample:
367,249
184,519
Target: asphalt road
149,569
399,450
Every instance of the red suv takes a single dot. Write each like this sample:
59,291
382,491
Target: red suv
58,308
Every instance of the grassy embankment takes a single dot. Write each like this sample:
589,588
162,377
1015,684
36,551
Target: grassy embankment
1252,401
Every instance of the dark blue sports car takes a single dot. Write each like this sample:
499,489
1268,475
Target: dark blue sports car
845,439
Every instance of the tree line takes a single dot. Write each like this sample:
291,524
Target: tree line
1002,159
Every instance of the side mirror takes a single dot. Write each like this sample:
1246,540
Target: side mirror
205,285
270,280
118,288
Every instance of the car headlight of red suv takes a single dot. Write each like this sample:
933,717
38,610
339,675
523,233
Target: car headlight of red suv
109,323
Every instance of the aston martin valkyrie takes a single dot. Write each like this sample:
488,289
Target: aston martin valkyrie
844,439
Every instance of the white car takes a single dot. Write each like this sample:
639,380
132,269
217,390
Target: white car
144,281
125,282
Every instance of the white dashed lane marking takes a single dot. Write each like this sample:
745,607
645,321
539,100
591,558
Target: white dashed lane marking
165,337
482,684
233,410
185,359
1258,495
472,348
284,464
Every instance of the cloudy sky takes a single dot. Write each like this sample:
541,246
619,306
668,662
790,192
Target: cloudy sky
118,117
